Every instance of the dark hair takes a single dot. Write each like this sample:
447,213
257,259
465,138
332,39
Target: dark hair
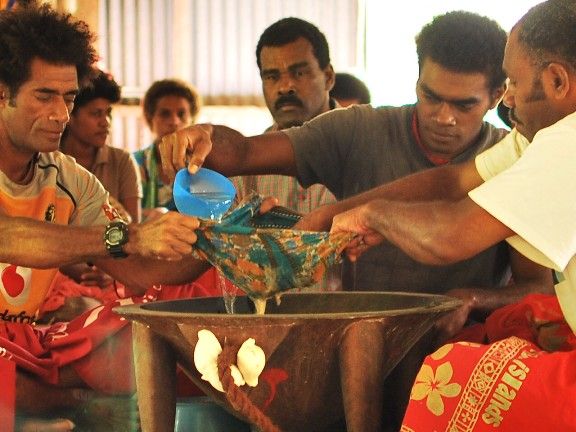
287,30
40,32
14,4
102,85
504,113
170,87
347,86
464,42
548,31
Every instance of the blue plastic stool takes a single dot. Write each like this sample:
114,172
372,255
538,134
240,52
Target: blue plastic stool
201,414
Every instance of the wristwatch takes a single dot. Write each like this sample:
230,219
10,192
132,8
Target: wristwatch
115,237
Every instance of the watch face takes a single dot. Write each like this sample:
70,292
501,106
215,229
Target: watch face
115,235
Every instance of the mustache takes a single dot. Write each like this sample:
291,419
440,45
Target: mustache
288,100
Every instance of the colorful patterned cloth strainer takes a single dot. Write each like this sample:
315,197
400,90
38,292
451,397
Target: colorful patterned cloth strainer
261,255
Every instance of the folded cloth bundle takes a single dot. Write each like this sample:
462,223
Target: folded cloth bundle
261,255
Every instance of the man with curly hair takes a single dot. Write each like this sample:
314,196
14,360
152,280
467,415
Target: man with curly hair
53,213
353,150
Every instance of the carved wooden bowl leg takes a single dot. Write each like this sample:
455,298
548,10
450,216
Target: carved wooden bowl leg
155,366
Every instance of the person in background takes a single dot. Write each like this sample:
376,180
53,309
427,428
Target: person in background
504,114
85,139
293,57
519,375
82,286
294,62
168,105
349,90
354,150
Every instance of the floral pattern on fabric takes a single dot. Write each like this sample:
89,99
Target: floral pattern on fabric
262,255
509,385
434,386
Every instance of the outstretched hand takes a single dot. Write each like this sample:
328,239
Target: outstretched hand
449,325
356,221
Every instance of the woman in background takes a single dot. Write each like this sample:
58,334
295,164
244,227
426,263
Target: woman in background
169,105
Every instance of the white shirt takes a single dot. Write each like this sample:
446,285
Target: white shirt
532,190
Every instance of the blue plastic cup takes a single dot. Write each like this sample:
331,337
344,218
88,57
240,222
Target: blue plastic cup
206,194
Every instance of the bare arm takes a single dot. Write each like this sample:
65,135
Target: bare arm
159,250
435,233
478,302
226,151
527,277
43,245
141,273
451,183
133,207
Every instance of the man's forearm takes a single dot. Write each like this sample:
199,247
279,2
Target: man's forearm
141,273
234,154
44,245
527,277
487,300
449,183
436,233
228,152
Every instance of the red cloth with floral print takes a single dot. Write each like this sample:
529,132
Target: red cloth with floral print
523,379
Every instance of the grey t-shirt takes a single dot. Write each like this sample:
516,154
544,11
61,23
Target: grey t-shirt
355,149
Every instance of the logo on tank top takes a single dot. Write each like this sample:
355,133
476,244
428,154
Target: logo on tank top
15,283
110,212
50,213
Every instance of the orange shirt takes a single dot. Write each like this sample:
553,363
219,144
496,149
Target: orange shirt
61,192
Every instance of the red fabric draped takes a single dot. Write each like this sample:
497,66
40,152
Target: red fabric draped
8,394
97,344
523,379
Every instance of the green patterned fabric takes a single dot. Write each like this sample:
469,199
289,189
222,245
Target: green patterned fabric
262,255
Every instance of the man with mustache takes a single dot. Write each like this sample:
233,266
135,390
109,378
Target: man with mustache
353,150
294,62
